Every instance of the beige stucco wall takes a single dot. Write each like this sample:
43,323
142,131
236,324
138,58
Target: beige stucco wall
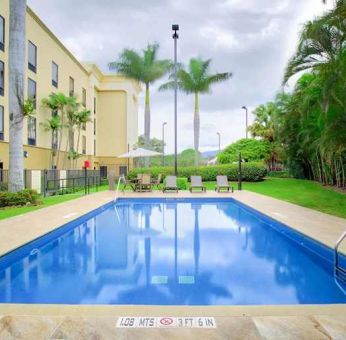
116,113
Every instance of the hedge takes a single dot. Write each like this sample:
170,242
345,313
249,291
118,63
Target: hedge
20,198
251,172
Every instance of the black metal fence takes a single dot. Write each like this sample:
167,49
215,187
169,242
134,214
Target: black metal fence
56,181
52,182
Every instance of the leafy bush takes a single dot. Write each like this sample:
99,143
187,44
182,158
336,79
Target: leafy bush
251,172
182,183
24,197
3,187
251,150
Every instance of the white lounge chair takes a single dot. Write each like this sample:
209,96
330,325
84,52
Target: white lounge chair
171,184
197,184
222,184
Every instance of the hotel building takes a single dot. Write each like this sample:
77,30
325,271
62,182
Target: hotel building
51,68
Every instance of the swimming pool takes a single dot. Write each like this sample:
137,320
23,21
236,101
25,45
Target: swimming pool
171,252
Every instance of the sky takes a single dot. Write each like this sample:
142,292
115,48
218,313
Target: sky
253,39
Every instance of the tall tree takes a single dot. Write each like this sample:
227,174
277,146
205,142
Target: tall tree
196,80
16,93
58,102
52,125
82,118
145,68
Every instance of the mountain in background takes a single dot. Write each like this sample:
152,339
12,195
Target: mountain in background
210,154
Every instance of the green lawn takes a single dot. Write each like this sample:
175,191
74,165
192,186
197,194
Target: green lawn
301,192
46,202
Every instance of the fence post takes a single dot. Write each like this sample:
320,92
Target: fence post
85,181
44,183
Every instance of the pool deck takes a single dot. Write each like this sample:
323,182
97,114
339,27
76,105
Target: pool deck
234,322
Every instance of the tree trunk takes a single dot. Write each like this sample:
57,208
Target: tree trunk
77,152
17,49
61,133
196,126
147,122
71,147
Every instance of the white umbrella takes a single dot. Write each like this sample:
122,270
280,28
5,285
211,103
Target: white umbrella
139,153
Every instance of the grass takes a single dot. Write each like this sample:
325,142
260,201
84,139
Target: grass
46,202
301,192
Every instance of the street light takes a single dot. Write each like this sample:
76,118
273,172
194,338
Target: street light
175,28
163,143
219,134
246,123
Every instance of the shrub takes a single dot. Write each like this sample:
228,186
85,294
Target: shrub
3,187
24,197
251,172
251,149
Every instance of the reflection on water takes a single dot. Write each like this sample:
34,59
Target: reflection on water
186,253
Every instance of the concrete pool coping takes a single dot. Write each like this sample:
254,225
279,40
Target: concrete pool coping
147,310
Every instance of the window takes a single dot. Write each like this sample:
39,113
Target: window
71,87
2,122
83,145
2,33
2,78
84,97
94,126
94,147
32,57
55,74
31,130
32,91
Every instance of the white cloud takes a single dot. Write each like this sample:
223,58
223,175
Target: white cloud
251,38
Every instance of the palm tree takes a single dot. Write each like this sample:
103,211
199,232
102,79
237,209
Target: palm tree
196,80
321,44
52,125
58,102
144,68
71,110
16,93
82,117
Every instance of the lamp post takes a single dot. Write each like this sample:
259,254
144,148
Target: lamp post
175,28
219,134
246,123
163,143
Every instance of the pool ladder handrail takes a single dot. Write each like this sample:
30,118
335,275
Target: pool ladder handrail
121,178
336,255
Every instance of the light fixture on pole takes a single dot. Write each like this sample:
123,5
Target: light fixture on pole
163,143
175,28
246,122
219,134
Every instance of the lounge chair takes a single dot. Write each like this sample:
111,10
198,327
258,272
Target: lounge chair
222,184
157,181
171,184
145,183
130,183
196,183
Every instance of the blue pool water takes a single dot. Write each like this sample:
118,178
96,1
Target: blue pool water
171,252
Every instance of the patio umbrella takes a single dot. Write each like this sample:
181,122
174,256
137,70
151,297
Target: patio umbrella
139,153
